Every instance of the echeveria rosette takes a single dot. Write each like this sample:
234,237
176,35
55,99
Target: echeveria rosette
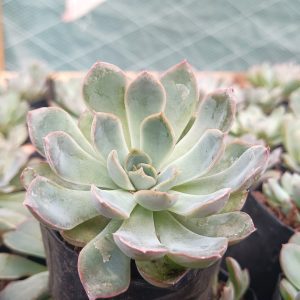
127,177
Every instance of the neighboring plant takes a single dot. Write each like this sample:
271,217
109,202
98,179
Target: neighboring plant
68,95
254,121
13,133
291,138
294,103
121,185
284,194
238,281
290,265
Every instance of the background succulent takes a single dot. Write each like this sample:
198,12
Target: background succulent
238,281
290,265
284,193
126,184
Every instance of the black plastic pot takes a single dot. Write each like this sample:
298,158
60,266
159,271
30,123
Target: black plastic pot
277,295
64,281
259,253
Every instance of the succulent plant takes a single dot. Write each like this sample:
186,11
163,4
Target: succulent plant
291,136
253,120
294,103
290,265
68,94
284,193
126,184
238,281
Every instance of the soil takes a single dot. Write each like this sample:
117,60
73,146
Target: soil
289,220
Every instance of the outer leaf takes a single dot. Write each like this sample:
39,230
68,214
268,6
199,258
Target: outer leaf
103,269
199,159
14,202
137,237
26,239
287,290
9,219
182,93
157,138
295,239
34,287
44,120
85,124
117,173
73,164
236,201
103,90
145,96
290,263
235,226
154,200
187,248
116,204
167,180
58,207
161,272
240,174
14,266
216,111
107,133
80,235
199,206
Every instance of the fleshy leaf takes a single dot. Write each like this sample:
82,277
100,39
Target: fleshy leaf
199,158
135,158
157,138
235,226
58,207
199,206
290,263
182,93
44,120
145,96
10,219
107,133
167,180
116,204
137,237
154,200
103,91
74,164
141,180
13,267
295,239
161,272
117,173
103,269
236,201
288,290
80,235
85,124
34,287
187,248
242,172
14,202
26,239
216,111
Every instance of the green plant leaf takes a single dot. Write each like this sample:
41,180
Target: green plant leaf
157,138
117,173
167,180
287,290
85,124
107,134
103,269
199,158
34,287
216,111
145,96
137,237
58,207
45,120
240,174
161,272
295,239
236,201
154,200
72,163
115,204
182,93
290,263
10,219
187,248
14,202
199,206
26,239
14,266
103,91
141,180
235,226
